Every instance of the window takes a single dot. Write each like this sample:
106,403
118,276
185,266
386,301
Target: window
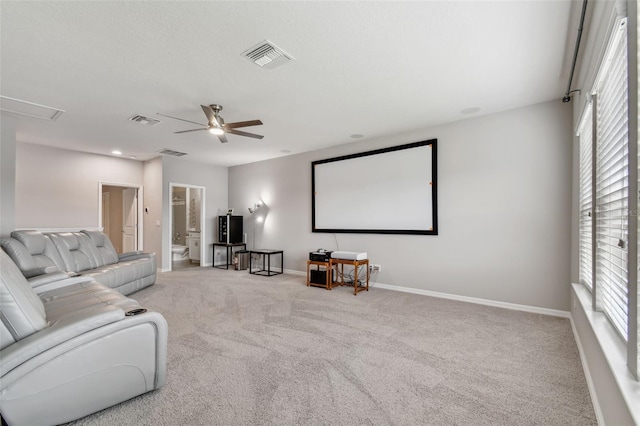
604,133
585,133
612,183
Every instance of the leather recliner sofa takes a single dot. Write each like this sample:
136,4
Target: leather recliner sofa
46,258
73,350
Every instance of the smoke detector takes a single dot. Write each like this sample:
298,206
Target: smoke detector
267,55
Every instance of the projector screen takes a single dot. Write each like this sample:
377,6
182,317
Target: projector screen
385,191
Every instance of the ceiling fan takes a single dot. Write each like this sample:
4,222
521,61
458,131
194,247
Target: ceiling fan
217,126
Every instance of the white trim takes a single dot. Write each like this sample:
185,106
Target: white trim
476,300
86,228
614,350
140,202
587,374
203,245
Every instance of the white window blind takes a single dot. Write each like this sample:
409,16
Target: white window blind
585,133
612,182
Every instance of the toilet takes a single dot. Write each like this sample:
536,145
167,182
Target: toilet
179,252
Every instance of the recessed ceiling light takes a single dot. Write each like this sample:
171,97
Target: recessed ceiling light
356,136
133,157
116,152
471,110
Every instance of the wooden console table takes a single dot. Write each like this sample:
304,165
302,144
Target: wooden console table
329,283
339,264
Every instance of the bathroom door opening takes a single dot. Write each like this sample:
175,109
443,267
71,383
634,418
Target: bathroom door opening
186,219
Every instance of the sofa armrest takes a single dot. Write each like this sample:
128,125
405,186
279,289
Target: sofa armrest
63,281
57,333
39,280
30,273
131,255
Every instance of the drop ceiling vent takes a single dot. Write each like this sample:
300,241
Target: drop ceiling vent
29,109
267,55
141,119
168,151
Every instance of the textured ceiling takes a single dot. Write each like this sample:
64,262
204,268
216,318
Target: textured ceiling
370,68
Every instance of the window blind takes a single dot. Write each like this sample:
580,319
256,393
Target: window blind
612,182
585,133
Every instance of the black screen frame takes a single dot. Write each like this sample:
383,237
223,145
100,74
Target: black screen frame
434,191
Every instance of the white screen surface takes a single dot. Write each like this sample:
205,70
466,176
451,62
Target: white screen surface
382,191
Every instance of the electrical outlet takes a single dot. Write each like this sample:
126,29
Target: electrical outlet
377,268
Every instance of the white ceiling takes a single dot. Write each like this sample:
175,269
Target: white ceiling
372,68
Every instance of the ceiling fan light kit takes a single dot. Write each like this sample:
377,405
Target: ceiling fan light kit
217,126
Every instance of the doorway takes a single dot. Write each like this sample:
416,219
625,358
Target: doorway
186,219
120,217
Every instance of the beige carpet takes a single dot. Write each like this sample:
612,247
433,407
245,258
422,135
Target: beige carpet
247,350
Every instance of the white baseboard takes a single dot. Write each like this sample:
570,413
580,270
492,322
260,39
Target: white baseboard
487,302
497,304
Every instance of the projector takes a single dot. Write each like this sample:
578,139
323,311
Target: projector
348,255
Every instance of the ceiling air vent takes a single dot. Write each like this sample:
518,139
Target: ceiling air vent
141,119
29,109
168,151
267,55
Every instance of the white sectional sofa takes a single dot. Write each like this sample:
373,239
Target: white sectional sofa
74,349
45,258
71,342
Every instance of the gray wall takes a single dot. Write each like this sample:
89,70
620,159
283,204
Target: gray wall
7,174
504,204
153,214
57,188
184,172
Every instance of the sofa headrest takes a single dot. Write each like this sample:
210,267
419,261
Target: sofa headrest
34,241
106,254
97,237
21,310
70,240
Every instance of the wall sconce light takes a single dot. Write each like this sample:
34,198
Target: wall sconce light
256,206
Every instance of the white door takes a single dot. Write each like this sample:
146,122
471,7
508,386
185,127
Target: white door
129,219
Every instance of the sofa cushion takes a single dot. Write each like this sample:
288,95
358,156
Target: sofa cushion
32,251
106,253
76,250
22,313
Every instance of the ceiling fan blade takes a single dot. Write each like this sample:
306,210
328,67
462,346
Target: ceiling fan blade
210,115
223,138
243,124
181,119
192,130
241,133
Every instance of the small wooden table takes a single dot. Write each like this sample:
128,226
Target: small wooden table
339,263
329,283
